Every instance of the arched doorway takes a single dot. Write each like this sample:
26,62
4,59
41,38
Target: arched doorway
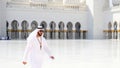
109,30
115,34
69,30
77,31
44,25
24,32
34,25
52,30
61,30
15,31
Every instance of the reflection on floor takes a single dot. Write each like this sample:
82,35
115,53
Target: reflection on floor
68,54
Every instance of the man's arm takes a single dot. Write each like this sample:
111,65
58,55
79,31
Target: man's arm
48,50
27,50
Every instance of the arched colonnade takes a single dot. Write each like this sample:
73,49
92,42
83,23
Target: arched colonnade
113,31
53,30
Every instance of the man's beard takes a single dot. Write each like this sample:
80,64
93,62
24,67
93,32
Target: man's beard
39,34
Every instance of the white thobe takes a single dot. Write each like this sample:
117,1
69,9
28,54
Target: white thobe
35,54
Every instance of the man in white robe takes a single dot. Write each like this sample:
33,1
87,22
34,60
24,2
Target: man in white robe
36,48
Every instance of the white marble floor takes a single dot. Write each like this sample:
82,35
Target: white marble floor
68,54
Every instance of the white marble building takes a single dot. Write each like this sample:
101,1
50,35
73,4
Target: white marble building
92,15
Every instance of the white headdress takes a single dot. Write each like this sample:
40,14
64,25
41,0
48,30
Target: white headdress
34,33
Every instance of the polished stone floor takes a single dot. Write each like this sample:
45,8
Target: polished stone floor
68,54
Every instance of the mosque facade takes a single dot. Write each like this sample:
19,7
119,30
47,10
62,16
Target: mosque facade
61,19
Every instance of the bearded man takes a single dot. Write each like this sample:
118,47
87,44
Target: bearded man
36,48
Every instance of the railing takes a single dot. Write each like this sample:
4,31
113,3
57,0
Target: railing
111,34
49,34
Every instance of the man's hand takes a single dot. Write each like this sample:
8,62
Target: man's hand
24,62
52,57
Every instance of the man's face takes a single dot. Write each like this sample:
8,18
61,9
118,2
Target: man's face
40,32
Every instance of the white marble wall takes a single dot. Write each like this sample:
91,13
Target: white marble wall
89,19
39,0
112,15
98,19
94,19
19,0
71,1
58,1
90,6
3,18
48,16
0,9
